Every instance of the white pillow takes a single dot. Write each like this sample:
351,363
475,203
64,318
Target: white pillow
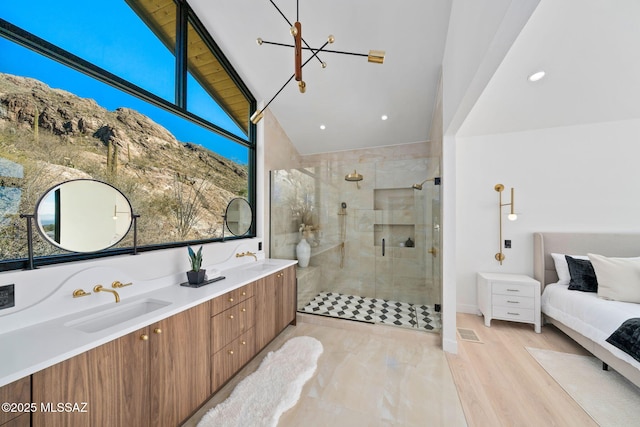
562,268
618,278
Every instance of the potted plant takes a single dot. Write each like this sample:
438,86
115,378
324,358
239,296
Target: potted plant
196,275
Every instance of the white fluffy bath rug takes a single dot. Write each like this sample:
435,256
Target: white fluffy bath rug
262,397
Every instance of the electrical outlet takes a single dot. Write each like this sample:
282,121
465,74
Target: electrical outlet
7,296
259,246
507,244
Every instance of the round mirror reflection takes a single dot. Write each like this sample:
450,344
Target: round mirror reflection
83,215
238,217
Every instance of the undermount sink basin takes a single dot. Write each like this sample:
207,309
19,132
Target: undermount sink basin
114,315
263,266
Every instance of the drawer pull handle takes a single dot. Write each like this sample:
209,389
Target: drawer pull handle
230,351
157,331
244,293
513,290
513,314
144,337
244,309
244,343
230,299
513,302
231,316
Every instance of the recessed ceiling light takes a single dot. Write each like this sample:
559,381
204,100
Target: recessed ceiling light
384,117
536,76
323,127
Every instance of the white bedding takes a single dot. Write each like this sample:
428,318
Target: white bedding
593,317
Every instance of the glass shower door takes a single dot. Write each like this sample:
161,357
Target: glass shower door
400,242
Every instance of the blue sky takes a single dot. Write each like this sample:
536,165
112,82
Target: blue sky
110,35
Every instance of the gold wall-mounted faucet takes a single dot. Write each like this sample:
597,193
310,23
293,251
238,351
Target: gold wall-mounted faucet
247,253
100,288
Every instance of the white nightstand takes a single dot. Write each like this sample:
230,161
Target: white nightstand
513,297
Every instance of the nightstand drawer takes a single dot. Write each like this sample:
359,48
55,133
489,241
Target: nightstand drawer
512,301
513,289
514,313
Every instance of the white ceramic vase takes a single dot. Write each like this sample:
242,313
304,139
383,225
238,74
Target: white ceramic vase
303,253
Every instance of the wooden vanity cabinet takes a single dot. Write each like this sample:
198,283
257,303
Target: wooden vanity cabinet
105,382
180,368
276,294
18,393
160,374
232,333
156,376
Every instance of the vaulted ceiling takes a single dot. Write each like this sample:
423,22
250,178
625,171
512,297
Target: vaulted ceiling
588,49
350,95
589,52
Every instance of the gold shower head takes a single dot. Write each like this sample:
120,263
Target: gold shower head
354,177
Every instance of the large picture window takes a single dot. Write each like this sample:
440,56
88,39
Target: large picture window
132,93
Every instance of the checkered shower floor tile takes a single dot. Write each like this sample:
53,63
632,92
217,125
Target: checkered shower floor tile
374,310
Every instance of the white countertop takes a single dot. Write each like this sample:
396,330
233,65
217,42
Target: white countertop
35,347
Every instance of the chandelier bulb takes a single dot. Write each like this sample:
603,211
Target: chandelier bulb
293,31
331,39
323,64
259,41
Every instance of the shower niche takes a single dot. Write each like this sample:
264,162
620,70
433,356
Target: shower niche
395,218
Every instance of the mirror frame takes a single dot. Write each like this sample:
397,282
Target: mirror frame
52,189
226,216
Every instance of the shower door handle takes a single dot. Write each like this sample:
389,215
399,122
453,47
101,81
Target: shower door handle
382,247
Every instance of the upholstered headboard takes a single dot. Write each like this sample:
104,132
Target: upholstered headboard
608,244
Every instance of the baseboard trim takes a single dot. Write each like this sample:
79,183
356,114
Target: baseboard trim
467,308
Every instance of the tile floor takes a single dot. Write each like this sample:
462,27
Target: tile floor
374,310
368,375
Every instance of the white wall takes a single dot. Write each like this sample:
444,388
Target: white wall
479,35
580,178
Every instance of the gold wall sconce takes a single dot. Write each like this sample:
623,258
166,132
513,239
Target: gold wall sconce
512,217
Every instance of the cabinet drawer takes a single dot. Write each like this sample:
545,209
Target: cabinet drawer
512,301
226,362
231,323
513,313
513,289
16,392
231,298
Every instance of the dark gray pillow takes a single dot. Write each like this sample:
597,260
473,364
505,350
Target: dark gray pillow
583,276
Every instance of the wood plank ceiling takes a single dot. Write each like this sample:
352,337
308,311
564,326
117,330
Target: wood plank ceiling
160,17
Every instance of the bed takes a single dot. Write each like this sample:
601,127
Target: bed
583,316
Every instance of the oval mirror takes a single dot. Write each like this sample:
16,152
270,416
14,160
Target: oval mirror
83,215
238,217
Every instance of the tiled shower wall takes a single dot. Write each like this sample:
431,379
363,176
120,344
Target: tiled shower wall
385,206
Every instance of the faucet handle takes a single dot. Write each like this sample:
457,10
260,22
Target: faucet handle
117,284
80,293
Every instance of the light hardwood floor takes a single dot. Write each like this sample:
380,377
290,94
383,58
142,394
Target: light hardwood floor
500,384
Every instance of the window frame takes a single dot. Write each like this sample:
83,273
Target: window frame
184,15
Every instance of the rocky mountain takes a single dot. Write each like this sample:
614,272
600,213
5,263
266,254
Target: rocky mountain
56,135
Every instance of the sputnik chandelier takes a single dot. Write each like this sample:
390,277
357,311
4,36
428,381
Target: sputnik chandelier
374,56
